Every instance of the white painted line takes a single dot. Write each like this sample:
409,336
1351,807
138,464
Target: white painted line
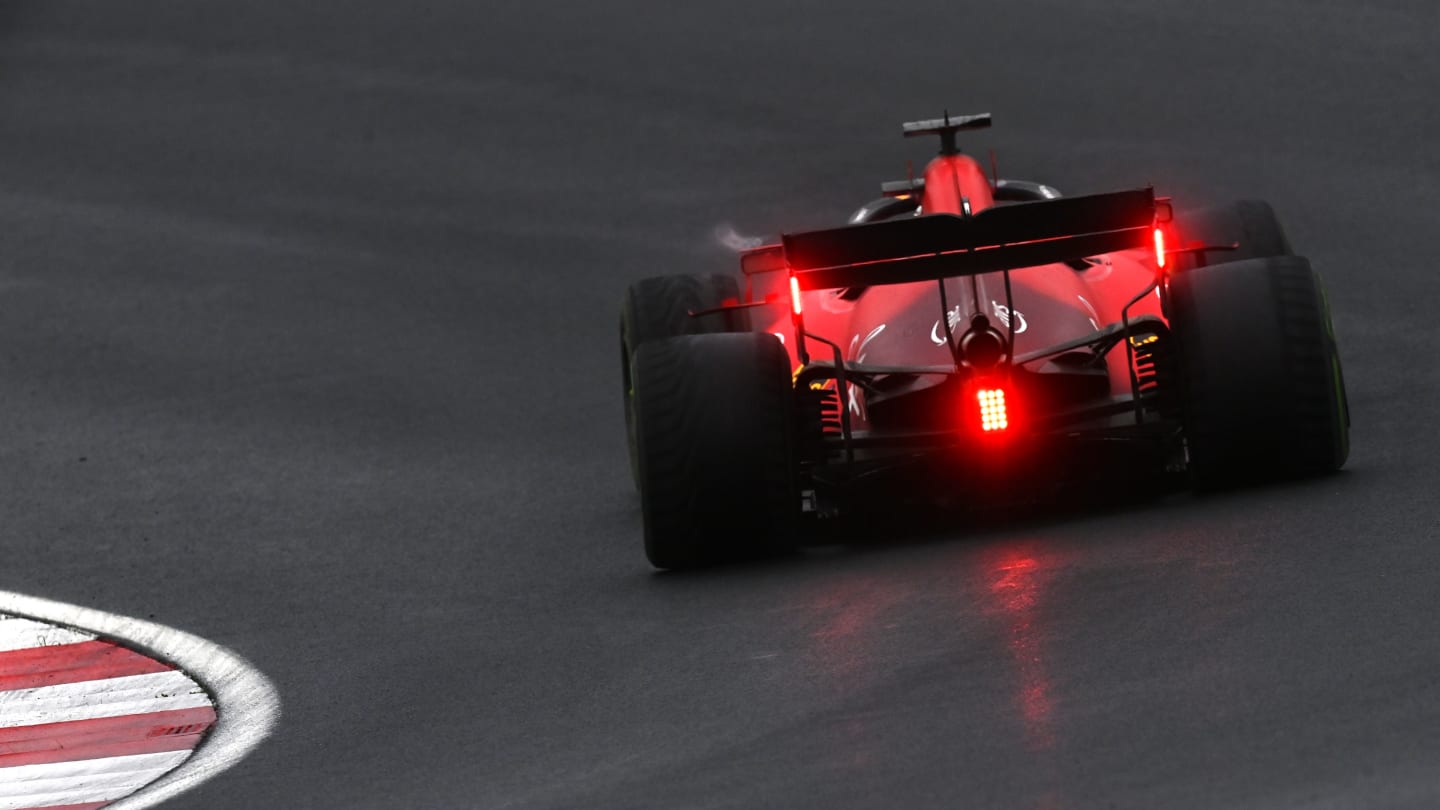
88,700
23,634
89,780
246,703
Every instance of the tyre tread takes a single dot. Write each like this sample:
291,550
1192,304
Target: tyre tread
714,441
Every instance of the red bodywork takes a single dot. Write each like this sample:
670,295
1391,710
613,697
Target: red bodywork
900,324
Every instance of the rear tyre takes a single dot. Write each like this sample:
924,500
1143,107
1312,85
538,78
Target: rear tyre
714,439
1251,224
1262,395
659,307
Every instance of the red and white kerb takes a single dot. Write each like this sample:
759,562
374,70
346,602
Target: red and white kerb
85,722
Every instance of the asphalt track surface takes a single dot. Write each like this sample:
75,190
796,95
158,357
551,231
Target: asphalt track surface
307,346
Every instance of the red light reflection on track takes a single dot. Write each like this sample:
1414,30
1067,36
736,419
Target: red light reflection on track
850,612
846,620
1017,589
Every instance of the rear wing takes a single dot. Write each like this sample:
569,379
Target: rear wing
936,246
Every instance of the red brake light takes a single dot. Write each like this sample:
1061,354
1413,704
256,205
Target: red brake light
1160,247
795,294
993,414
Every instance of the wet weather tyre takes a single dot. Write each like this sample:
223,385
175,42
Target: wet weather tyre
1262,395
659,307
714,433
1250,224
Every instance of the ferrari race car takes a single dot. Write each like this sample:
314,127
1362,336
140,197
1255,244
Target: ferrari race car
970,335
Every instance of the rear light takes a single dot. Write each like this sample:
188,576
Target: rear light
1160,248
795,294
993,414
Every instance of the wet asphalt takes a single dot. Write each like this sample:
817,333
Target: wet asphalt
307,345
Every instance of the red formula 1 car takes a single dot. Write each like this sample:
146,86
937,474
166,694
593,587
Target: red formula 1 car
972,335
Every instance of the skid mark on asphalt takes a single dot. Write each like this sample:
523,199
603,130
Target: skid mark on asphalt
99,710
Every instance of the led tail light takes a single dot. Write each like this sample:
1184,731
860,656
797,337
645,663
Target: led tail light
993,415
795,294
1160,247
